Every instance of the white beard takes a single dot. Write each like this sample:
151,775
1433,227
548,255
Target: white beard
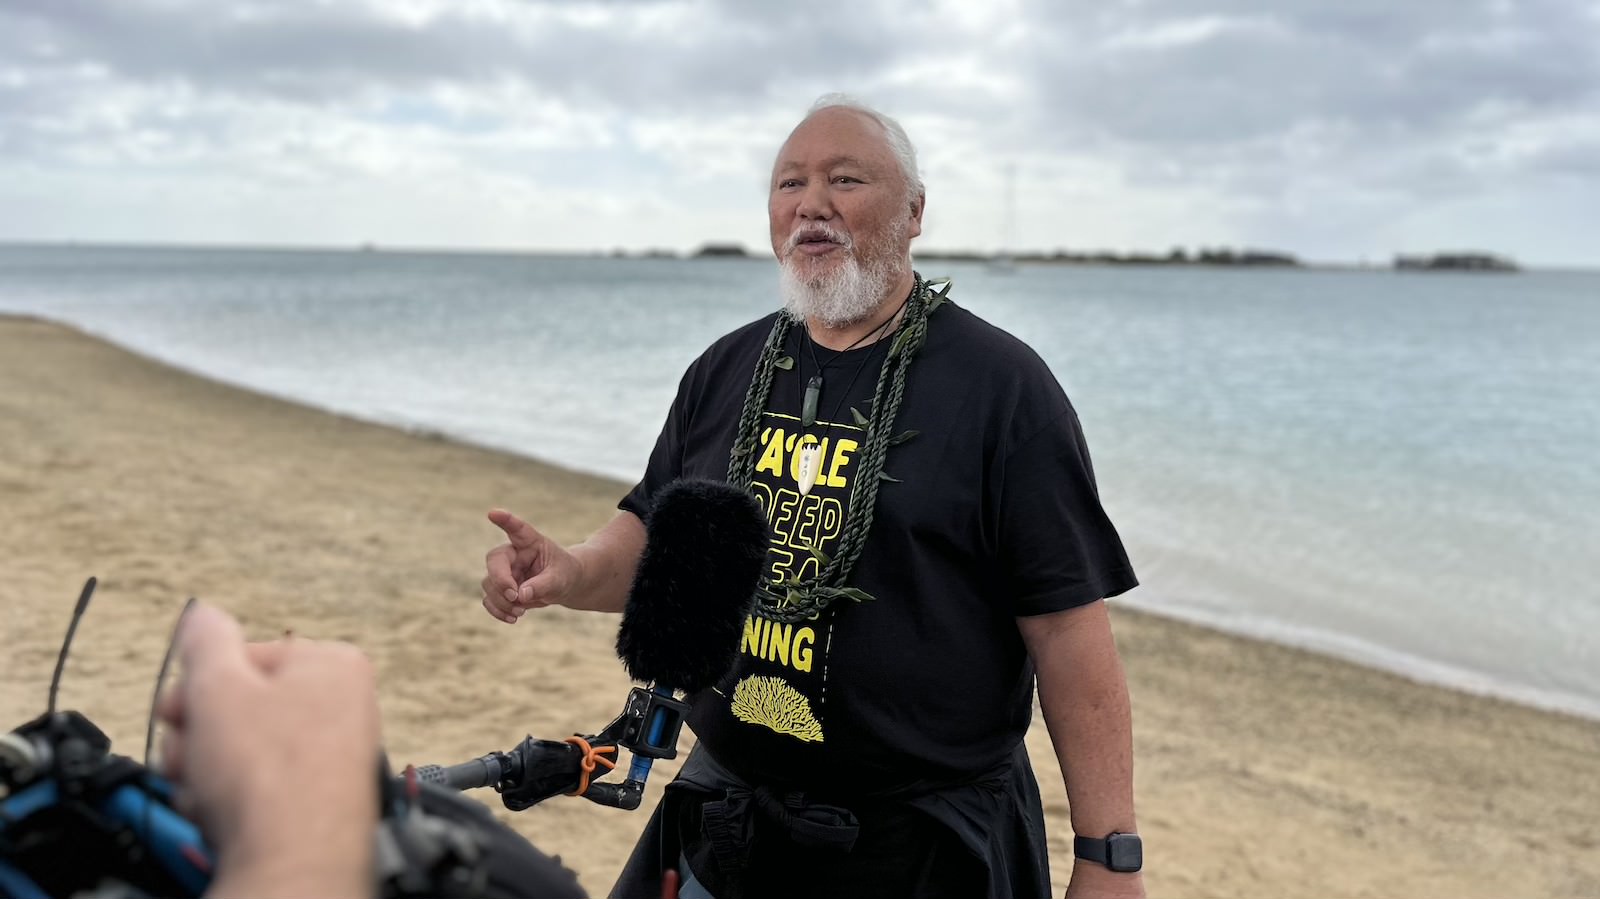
848,294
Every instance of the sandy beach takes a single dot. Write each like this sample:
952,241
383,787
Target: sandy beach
1261,770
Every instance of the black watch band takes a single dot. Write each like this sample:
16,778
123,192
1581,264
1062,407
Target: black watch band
1121,852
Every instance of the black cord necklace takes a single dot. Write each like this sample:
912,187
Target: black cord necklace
809,453
813,390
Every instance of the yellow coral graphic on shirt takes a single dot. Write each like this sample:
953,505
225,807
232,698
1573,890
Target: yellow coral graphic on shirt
772,703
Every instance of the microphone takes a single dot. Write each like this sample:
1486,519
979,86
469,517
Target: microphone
705,546
705,543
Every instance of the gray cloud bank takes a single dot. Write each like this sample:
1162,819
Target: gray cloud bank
1341,129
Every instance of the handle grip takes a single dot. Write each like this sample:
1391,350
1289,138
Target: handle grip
487,771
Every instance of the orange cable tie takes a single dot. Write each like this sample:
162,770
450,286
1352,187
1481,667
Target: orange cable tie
591,756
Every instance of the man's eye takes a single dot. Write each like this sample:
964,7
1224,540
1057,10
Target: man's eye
787,183
846,179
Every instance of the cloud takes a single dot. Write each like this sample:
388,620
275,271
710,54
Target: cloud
680,55
1147,75
1295,110
1139,123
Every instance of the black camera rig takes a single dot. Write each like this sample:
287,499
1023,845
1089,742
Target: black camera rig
78,820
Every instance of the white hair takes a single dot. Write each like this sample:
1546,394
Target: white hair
899,144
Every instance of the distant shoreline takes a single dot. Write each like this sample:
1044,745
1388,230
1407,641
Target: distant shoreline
1469,262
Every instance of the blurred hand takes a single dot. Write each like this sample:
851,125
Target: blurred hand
528,572
273,748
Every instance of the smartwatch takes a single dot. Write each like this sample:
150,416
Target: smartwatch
1121,852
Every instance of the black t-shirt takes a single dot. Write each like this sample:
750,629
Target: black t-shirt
991,514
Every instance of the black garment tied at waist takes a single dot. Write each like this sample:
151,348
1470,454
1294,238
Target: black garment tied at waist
731,813
709,817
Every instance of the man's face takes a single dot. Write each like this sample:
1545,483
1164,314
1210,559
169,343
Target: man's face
838,196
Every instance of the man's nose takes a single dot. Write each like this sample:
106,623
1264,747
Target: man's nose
816,202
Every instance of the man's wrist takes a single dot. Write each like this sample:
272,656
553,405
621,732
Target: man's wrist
1121,851
581,594
1094,881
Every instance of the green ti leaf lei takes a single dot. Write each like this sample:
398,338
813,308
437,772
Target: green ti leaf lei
791,599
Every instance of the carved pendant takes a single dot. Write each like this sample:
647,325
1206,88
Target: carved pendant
810,465
808,407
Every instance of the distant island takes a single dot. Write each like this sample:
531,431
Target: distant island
1205,256
1176,256
1455,262
721,250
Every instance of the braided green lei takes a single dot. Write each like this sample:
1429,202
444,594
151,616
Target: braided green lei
792,599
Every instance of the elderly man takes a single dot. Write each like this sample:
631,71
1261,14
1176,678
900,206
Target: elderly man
938,547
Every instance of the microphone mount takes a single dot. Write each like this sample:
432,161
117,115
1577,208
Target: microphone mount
648,727
535,770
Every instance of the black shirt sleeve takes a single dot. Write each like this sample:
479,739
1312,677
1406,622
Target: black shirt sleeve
1058,547
666,459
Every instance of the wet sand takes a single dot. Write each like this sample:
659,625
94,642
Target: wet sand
1261,770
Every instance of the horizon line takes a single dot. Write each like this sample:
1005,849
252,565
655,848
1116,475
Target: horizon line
1025,257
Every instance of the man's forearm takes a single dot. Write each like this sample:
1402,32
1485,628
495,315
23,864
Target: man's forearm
1083,694
607,561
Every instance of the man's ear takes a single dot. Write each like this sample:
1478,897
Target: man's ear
918,204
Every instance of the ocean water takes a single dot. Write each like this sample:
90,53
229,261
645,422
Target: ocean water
1399,469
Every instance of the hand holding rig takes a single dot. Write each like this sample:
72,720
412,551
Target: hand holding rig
77,819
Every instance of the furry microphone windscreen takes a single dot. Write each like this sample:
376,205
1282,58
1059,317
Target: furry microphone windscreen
706,543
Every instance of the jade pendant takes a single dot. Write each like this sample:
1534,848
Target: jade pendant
808,408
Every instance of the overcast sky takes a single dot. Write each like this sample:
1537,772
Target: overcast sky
1339,131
